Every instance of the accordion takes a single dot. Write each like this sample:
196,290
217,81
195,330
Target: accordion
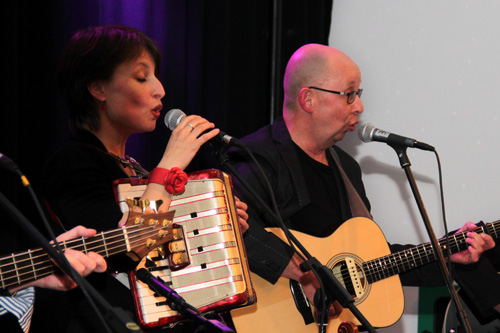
214,273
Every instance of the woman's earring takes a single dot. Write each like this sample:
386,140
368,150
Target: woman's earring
102,105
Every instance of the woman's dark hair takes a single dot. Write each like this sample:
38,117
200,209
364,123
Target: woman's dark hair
92,55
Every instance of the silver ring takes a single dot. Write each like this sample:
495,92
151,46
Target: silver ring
189,124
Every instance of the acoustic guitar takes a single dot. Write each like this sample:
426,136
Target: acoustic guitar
359,256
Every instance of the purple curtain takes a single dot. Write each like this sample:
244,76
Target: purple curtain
216,62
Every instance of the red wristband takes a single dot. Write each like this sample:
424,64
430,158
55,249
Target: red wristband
174,179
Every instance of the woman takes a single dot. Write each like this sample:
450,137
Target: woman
109,78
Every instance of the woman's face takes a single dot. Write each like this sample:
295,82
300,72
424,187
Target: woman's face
132,97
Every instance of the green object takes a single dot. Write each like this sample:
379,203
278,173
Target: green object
432,303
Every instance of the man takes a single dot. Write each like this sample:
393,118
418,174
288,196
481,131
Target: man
18,301
321,104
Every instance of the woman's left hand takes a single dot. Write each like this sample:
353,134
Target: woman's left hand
241,209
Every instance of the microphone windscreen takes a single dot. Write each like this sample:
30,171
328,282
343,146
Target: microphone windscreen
143,275
173,118
365,132
7,163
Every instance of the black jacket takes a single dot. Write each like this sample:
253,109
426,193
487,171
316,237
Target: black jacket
276,153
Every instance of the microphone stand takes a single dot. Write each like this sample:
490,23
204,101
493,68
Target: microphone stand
331,287
405,164
207,325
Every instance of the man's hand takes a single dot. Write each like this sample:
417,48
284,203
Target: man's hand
84,264
478,243
309,283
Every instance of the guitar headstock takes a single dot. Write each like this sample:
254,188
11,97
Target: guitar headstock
144,232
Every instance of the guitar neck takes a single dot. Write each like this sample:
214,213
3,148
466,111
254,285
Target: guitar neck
23,267
403,261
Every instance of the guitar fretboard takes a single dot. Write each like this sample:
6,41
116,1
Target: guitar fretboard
23,267
414,257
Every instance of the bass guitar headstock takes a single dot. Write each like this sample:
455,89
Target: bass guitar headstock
145,232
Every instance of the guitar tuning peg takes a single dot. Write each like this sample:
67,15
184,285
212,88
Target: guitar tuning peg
143,204
131,203
155,205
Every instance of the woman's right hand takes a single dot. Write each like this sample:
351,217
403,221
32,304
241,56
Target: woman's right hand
184,143
186,140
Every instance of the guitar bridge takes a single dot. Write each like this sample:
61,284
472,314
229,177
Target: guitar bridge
301,302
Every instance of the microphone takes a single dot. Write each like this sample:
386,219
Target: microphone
174,117
160,287
8,163
368,133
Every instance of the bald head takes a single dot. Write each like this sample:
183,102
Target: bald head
312,65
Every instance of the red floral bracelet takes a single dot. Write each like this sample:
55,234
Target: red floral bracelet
174,179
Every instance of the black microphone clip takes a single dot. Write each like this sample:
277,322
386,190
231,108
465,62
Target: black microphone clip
177,303
160,287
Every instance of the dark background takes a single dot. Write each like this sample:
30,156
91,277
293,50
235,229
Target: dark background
222,59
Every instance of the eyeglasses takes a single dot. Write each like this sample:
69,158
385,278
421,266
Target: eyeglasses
351,96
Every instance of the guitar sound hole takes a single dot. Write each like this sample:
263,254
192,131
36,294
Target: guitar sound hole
350,275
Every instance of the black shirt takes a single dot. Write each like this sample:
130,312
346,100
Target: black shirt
328,207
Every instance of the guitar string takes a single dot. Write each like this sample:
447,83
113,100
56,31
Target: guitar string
36,269
369,267
402,261
392,264
396,263
88,246
411,258
421,251
85,246
389,265
88,243
39,272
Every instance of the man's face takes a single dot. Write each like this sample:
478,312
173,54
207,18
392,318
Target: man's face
334,116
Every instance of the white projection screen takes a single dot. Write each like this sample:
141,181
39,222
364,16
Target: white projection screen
430,71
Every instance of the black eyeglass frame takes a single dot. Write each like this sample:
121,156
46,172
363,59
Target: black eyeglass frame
351,96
